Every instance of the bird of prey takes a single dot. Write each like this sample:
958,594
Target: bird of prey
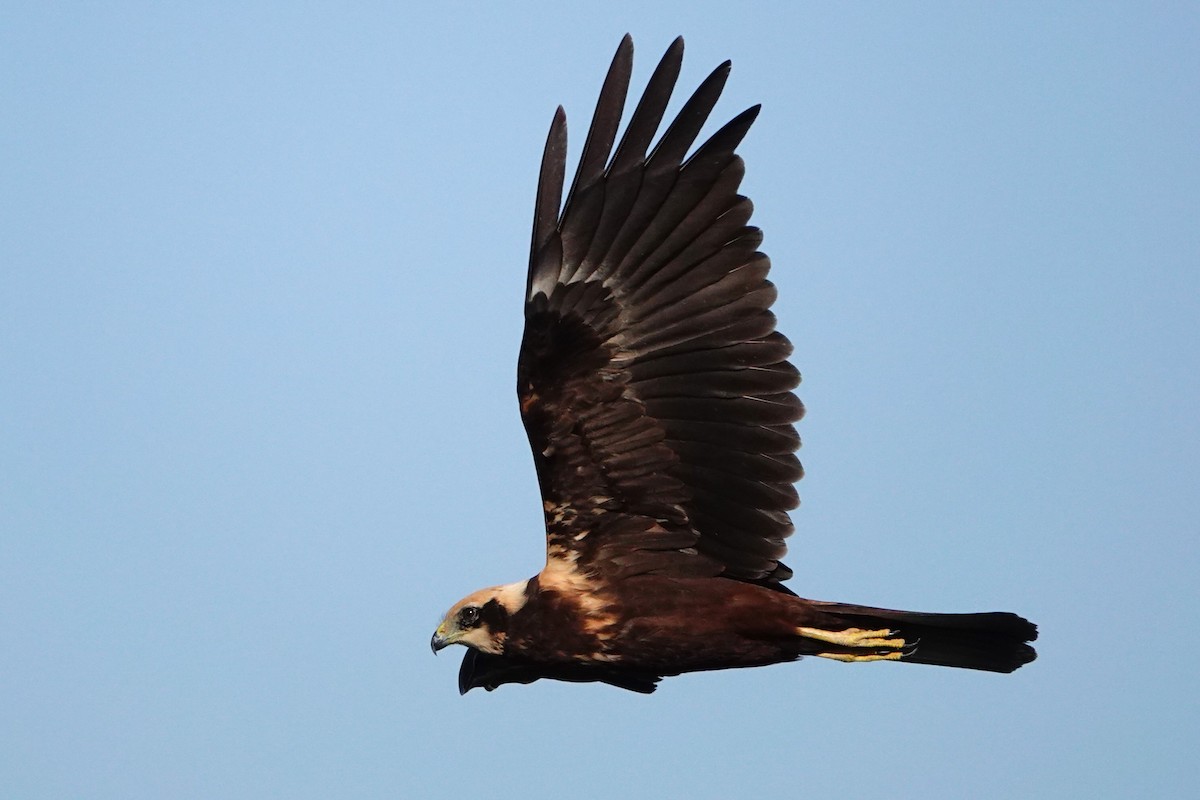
657,397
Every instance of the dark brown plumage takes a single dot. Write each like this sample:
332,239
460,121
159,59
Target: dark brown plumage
657,397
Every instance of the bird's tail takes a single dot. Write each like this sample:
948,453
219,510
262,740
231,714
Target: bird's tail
995,641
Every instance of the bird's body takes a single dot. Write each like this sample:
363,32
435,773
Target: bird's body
667,625
657,397
650,626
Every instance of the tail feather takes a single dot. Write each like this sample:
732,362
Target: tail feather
994,641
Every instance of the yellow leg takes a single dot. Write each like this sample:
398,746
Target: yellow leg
895,655
854,637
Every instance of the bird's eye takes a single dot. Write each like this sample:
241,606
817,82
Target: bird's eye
469,617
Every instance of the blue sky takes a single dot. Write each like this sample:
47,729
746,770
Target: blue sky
258,328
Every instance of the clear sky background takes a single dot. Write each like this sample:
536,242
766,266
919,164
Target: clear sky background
259,315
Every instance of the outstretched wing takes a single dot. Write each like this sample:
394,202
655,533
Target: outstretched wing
653,385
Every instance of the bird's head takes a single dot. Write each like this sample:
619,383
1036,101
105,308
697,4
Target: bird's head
480,620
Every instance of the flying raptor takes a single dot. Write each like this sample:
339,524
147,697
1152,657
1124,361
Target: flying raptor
657,397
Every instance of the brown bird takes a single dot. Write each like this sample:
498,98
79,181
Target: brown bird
657,397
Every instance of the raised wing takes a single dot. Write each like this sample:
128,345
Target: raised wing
653,386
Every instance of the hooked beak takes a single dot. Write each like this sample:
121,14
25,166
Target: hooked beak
440,639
